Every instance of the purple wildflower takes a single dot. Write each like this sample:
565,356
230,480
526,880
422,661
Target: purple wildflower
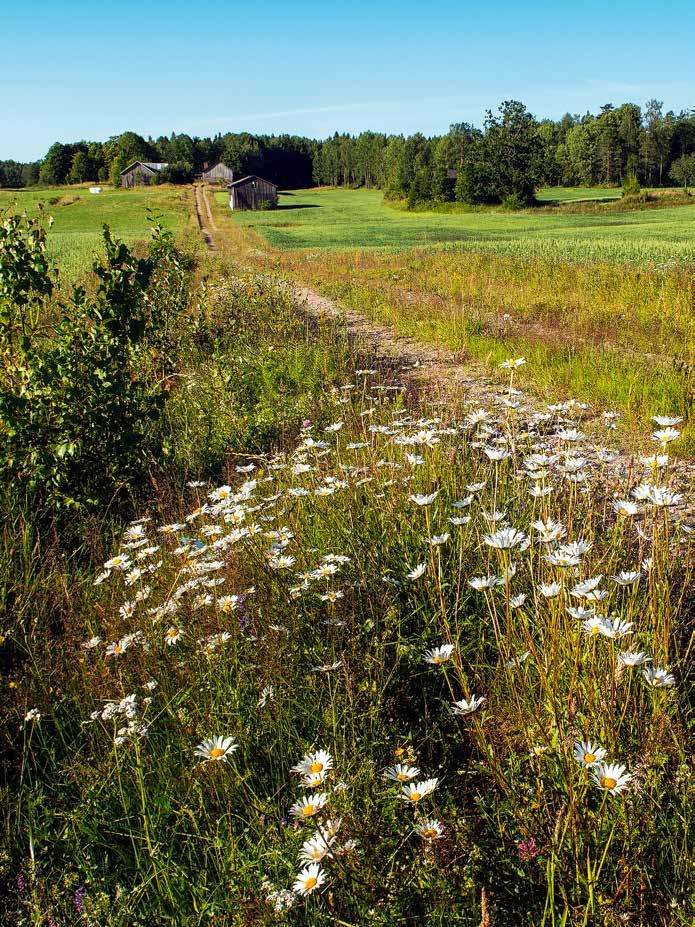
528,849
79,899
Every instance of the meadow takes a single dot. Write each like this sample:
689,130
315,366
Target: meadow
78,217
619,334
286,640
343,219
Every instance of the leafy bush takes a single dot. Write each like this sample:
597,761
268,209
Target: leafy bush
631,185
83,382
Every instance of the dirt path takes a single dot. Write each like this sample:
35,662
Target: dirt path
205,220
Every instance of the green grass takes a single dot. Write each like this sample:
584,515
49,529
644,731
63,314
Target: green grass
341,219
559,195
79,215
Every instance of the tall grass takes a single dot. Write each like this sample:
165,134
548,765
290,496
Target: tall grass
304,625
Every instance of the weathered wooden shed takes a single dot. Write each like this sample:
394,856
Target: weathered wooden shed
218,173
252,192
141,172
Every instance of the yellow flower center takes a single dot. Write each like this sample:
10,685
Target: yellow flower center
401,776
608,782
308,810
589,758
310,882
316,854
431,832
216,753
118,649
316,767
415,796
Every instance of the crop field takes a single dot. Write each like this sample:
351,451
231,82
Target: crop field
78,217
337,218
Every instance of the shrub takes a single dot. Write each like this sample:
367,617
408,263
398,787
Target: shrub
84,377
631,185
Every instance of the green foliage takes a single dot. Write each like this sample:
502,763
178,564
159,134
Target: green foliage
631,185
683,170
82,385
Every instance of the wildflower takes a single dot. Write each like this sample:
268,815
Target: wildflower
507,538
91,643
480,583
267,695
549,530
173,636
467,706
496,453
512,363
658,677
313,763
170,529
528,850
550,590
401,772
588,753
119,647
625,508
309,806
439,655
633,658
429,829
424,500
417,571
309,879
415,792
667,421
665,435
32,716
314,849
119,562
438,539
610,777
327,667
216,749
627,577
332,596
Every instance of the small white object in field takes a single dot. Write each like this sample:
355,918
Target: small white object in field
95,189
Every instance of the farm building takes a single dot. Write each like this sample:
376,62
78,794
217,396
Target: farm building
140,172
252,192
218,173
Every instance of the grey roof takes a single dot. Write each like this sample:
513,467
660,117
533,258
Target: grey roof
152,165
236,183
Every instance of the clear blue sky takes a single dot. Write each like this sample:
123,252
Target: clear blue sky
72,69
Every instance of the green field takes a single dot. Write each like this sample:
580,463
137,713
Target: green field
79,215
344,219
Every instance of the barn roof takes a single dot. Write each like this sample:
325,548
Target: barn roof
212,167
242,180
152,165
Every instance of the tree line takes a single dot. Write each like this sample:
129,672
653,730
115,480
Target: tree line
504,161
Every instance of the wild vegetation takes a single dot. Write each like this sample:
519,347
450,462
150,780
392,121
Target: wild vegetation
288,642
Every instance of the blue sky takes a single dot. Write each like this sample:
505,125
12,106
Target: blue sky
80,69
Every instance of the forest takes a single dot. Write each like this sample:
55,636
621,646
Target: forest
505,161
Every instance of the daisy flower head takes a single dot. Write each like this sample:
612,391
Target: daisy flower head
423,499
313,764
416,791
610,777
467,706
512,363
429,829
401,772
307,807
309,879
173,636
439,655
216,749
633,658
418,571
588,753
658,677
314,849
507,538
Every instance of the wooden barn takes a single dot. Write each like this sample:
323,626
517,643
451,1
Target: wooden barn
141,172
252,192
218,173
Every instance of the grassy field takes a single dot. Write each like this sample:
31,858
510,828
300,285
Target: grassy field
548,286
341,219
79,215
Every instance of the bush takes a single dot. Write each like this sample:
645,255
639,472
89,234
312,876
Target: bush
631,185
84,378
